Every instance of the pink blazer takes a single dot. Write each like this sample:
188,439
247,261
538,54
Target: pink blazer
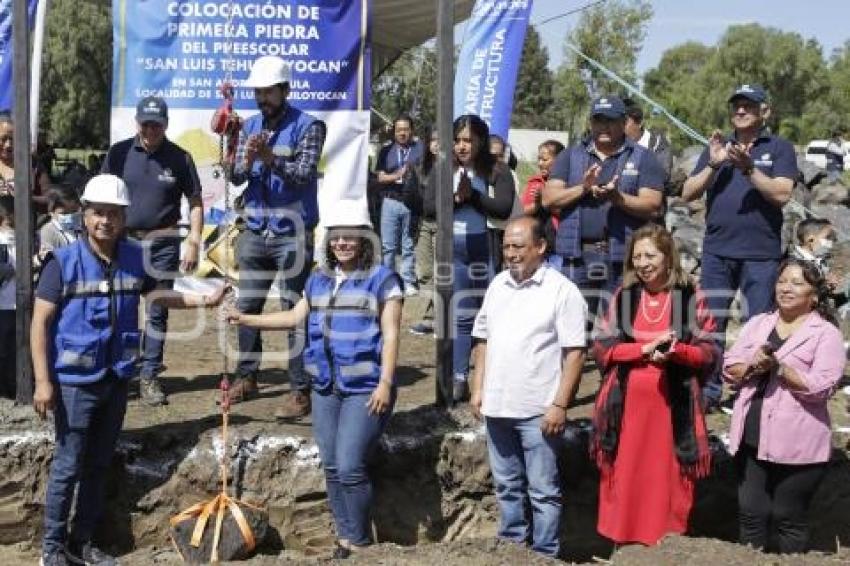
795,426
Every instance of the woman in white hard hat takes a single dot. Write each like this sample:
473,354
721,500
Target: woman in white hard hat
353,310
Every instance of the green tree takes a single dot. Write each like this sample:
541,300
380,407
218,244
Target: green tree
836,104
672,84
533,99
408,86
613,35
77,73
791,69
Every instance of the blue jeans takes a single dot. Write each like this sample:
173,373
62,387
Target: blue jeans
163,255
471,274
721,278
88,420
396,232
524,463
346,433
261,256
596,276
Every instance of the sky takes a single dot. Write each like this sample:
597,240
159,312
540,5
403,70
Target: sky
677,21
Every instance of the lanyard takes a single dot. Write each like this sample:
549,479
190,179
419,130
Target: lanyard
403,154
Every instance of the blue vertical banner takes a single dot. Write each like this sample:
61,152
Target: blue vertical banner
489,61
7,98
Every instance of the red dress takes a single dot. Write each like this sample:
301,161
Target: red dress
644,495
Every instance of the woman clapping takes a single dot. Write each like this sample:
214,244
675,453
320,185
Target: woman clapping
786,365
650,439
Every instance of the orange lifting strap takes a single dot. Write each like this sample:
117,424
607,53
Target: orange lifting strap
221,502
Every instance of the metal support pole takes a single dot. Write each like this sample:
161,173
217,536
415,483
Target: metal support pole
23,209
445,202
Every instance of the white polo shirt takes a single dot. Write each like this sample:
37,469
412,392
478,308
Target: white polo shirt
526,326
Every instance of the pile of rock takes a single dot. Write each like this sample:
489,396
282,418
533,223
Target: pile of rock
813,195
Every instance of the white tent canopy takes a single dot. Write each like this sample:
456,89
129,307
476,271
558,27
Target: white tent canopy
398,25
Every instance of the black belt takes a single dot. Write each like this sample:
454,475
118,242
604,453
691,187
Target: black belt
394,195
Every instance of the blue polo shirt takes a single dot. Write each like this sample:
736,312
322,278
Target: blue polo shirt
594,213
157,181
393,157
740,223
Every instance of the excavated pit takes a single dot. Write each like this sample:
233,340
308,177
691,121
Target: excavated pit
432,485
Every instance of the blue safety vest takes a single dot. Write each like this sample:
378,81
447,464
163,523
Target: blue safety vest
344,339
620,224
270,200
97,322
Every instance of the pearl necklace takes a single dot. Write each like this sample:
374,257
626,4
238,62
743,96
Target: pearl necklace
645,298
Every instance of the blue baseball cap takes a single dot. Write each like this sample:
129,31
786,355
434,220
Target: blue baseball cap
750,92
609,107
152,109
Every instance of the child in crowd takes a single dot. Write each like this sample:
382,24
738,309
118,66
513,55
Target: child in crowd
65,224
7,297
532,196
815,240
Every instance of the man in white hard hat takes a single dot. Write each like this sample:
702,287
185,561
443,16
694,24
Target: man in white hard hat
159,174
278,156
85,349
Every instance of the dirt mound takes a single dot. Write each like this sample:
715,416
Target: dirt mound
676,550
673,551
26,450
432,481
476,552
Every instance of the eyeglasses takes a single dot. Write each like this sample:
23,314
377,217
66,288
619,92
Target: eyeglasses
346,237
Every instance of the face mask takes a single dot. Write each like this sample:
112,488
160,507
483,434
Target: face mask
69,222
823,247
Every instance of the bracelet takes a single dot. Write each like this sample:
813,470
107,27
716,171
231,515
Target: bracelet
715,166
748,171
562,407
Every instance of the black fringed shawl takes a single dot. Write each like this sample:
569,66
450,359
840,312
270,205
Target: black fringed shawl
692,323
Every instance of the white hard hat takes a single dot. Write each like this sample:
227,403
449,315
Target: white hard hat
348,213
267,71
106,189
